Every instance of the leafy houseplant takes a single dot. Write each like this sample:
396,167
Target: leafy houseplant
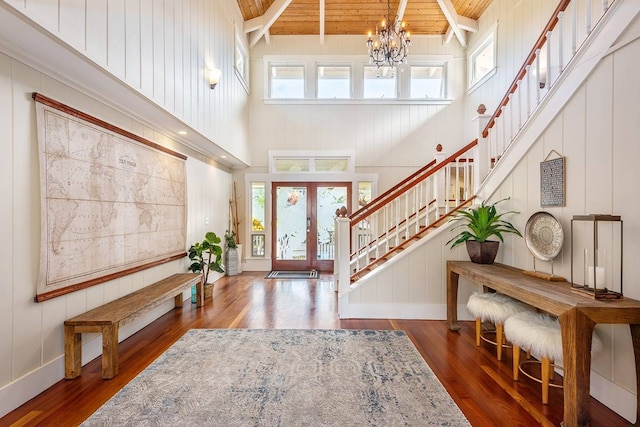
478,225
206,256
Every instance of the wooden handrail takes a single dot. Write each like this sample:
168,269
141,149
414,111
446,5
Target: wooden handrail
562,6
394,188
395,191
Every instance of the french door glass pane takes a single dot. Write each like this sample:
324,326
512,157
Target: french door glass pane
291,238
328,200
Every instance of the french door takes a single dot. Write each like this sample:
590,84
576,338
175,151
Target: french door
304,227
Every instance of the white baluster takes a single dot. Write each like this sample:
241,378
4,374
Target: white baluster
537,77
519,100
574,26
374,233
386,227
528,77
560,42
588,16
547,84
605,6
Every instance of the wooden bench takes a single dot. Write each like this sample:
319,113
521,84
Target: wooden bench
108,318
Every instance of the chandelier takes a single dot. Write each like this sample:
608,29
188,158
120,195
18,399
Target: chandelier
390,46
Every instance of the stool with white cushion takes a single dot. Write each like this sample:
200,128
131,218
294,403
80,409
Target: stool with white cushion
540,335
493,307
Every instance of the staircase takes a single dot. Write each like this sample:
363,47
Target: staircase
415,210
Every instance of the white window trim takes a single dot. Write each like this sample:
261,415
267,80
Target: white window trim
358,63
305,72
242,75
491,34
334,64
445,63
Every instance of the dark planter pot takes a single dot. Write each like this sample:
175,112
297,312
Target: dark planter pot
482,252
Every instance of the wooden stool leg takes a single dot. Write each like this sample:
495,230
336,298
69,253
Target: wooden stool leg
478,331
546,375
516,362
499,339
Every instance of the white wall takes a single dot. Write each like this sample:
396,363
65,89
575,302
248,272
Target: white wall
392,140
31,334
161,49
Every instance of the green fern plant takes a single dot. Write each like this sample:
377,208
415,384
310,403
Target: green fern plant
481,223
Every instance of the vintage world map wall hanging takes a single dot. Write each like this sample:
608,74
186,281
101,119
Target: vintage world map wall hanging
112,202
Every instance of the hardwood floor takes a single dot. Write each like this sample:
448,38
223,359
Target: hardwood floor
479,384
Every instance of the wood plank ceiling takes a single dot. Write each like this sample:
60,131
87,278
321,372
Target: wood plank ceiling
360,16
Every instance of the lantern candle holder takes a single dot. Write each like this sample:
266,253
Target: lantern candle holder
599,265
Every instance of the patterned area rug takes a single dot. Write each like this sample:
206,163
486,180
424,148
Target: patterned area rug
279,274
250,377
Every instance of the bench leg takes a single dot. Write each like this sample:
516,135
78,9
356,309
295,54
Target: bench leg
72,352
109,351
178,300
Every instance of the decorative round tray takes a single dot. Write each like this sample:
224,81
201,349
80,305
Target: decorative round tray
544,236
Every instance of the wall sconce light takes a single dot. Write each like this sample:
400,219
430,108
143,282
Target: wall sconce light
214,77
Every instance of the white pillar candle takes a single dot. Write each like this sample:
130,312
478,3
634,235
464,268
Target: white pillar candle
599,277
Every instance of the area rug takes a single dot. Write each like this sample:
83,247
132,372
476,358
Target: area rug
251,377
279,274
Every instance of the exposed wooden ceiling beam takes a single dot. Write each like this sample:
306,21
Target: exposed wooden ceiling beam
401,7
458,24
321,21
260,25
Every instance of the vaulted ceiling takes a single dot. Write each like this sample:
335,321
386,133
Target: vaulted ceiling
328,17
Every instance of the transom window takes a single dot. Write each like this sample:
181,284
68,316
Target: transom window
379,82
287,81
334,81
340,79
428,82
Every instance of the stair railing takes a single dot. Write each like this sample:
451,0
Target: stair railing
400,216
569,26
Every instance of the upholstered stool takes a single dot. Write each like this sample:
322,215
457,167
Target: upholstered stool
540,335
496,308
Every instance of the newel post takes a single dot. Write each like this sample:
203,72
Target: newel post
482,156
341,267
439,181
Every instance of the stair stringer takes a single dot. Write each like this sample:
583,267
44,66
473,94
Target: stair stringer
382,293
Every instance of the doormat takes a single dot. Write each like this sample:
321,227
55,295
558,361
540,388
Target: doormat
305,274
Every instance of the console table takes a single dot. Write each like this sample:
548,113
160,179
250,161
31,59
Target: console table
577,314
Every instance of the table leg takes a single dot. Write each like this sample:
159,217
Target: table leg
577,332
72,352
635,339
452,300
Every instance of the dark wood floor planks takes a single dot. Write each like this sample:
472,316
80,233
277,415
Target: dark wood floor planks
479,384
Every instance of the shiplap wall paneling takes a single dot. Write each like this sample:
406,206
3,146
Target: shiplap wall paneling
72,19
27,316
418,271
115,38
433,287
6,218
132,47
598,132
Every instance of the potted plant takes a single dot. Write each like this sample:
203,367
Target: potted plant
231,255
206,256
478,225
